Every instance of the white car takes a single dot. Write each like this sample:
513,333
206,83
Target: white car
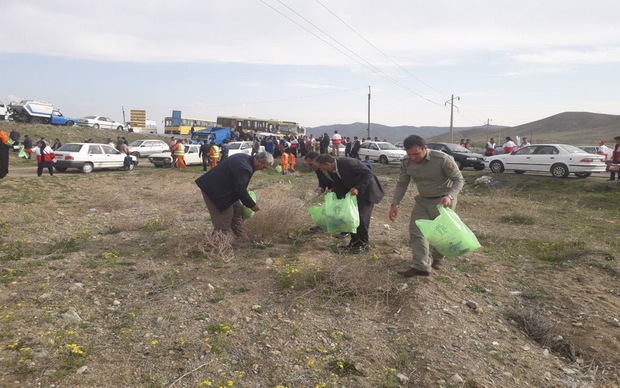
244,147
90,156
558,159
164,159
102,122
381,151
142,148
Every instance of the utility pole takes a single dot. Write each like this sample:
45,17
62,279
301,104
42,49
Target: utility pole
488,123
368,130
451,101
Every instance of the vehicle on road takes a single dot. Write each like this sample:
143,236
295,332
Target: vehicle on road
144,148
164,159
100,122
560,160
243,147
381,151
38,112
462,156
87,157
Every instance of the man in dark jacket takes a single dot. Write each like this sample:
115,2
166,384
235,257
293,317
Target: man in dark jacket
203,153
225,185
351,176
355,148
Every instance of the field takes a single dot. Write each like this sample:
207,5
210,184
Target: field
113,279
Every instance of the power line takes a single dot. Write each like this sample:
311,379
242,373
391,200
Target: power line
378,50
366,63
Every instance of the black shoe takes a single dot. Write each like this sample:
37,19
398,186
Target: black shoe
358,249
342,235
437,265
316,228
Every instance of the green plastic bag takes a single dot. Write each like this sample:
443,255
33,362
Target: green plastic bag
448,234
317,213
279,168
247,212
22,153
342,215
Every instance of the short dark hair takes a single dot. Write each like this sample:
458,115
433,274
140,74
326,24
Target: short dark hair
324,159
617,138
414,141
311,155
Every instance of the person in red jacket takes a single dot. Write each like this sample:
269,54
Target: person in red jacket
45,157
615,159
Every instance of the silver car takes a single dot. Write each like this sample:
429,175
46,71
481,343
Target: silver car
91,156
98,122
143,148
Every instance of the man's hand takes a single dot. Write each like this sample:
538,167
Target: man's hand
318,190
445,201
255,208
393,212
353,191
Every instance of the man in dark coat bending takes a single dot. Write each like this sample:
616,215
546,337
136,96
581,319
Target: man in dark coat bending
351,176
225,185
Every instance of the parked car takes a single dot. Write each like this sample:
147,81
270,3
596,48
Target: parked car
98,122
381,151
142,148
90,156
595,149
244,147
400,145
164,159
558,159
462,156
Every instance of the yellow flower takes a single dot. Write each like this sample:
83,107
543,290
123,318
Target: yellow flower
154,342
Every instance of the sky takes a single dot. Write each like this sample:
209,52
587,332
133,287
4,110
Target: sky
314,61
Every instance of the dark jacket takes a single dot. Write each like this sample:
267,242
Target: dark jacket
325,180
228,182
352,173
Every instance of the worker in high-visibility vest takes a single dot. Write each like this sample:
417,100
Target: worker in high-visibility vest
214,154
284,162
292,159
178,150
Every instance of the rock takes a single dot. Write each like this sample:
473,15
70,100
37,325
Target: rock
116,302
515,293
402,378
401,287
160,319
40,355
577,324
76,287
526,348
210,286
472,304
81,370
47,295
441,382
456,379
547,375
49,372
268,261
569,371
615,322
599,337
348,336
72,316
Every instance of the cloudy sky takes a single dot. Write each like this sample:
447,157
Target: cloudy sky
312,61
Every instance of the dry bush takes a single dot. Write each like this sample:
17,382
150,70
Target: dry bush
215,246
280,215
534,322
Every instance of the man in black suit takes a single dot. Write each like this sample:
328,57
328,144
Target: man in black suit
351,176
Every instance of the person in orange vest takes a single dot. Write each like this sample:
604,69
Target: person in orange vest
292,160
4,153
284,162
214,154
178,151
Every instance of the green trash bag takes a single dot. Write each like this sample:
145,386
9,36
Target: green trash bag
22,153
279,168
448,234
317,213
247,212
342,215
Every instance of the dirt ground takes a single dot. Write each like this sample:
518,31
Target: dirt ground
113,279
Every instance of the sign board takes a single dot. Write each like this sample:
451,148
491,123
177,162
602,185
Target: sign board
138,118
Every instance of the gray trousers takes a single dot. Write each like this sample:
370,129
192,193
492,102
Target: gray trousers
423,255
227,220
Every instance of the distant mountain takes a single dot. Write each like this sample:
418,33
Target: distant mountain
391,134
578,128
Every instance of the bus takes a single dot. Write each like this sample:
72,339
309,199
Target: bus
182,126
252,124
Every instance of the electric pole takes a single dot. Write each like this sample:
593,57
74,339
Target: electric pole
368,130
451,101
488,123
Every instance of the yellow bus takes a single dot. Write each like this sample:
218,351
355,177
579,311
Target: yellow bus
252,124
177,125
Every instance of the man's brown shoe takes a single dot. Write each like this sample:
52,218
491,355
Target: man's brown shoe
437,265
413,272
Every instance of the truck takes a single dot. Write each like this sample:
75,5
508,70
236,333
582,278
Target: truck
38,112
212,133
3,111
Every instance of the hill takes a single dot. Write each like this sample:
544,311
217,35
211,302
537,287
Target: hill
578,128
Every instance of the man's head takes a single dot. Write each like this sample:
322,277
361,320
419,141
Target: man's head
416,148
492,140
602,142
617,139
262,160
309,159
325,162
